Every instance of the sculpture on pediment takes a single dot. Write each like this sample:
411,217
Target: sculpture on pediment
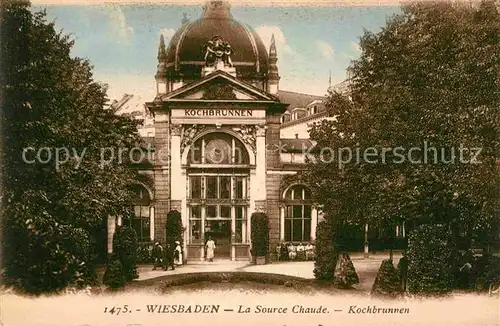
218,50
219,92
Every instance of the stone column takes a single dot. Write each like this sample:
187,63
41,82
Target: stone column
152,223
282,223
111,232
260,163
177,182
177,179
314,222
203,213
233,233
161,173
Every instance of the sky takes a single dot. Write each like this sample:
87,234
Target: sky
121,40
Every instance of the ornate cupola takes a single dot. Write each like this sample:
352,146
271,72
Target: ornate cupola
161,71
273,75
213,42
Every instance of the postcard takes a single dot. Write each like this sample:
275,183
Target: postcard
281,163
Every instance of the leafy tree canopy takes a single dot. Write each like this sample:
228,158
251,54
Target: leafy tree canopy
50,100
430,75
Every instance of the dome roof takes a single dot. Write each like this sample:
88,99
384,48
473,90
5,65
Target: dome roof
186,53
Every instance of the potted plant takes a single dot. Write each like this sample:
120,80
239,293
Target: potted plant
260,237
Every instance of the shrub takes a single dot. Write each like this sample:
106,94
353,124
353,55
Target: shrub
173,227
42,255
387,282
144,253
345,274
326,255
114,275
83,269
486,271
125,247
430,260
260,234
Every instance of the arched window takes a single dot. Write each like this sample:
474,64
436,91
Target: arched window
139,218
298,206
218,148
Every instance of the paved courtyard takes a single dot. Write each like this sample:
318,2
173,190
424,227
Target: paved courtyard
365,267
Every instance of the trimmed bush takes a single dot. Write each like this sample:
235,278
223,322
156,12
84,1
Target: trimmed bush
430,260
260,234
326,255
387,282
173,227
345,274
114,276
125,247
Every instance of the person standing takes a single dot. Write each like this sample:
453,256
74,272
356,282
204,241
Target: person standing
403,271
169,257
210,246
178,253
157,255
292,251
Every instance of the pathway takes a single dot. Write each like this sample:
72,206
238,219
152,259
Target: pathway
366,268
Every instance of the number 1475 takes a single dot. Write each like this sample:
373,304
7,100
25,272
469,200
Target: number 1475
116,310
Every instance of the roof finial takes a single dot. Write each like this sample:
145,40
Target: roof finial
217,9
162,53
272,48
273,74
330,79
185,18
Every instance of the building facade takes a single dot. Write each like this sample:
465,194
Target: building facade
227,141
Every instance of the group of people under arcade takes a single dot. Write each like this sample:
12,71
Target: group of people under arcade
167,257
300,252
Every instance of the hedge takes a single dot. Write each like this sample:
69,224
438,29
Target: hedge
260,234
125,247
114,276
173,227
430,260
326,255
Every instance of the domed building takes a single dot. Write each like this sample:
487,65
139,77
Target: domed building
223,143
185,58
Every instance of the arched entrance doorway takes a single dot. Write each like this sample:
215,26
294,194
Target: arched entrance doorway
218,170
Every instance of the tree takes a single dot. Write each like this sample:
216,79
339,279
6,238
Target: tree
52,106
429,78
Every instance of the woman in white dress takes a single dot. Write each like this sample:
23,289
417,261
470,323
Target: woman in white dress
178,253
210,245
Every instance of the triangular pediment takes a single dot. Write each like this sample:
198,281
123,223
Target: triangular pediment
219,86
